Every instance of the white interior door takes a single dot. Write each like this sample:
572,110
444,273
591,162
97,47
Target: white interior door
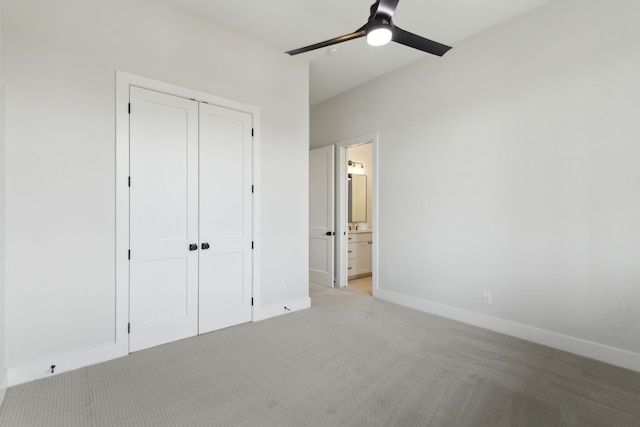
321,215
225,217
163,218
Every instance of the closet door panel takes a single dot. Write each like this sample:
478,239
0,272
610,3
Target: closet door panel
163,218
225,217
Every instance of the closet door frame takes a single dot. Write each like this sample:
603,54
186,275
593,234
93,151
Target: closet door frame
123,83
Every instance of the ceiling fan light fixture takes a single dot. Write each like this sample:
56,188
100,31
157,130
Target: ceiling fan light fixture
379,36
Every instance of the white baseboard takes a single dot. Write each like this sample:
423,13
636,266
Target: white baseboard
285,307
592,350
63,363
79,359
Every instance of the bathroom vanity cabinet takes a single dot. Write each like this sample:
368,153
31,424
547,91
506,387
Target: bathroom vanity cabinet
359,253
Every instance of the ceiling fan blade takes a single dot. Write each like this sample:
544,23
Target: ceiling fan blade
346,37
409,39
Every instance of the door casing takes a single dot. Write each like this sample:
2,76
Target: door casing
341,209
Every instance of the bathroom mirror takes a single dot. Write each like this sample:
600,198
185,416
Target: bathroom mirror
357,198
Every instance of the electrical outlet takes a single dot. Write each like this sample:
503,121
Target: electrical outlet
486,298
283,286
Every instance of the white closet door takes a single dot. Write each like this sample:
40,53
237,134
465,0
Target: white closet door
164,218
225,217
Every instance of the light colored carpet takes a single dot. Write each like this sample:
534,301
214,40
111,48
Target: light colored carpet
350,360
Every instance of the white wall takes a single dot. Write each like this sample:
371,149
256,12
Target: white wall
3,371
61,59
524,177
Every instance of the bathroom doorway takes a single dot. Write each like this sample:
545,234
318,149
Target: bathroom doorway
356,209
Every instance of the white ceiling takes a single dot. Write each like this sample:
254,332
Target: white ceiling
290,24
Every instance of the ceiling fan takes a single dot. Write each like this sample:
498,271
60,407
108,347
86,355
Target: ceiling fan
380,30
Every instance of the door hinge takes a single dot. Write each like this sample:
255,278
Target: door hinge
129,108
129,254
252,302
252,189
252,245
251,131
128,328
129,181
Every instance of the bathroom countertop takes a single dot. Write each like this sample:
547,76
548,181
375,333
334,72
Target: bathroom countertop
359,231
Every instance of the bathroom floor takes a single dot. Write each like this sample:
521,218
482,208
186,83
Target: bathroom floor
362,283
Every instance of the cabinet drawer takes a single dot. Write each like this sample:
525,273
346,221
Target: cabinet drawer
362,237
351,267
351,251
